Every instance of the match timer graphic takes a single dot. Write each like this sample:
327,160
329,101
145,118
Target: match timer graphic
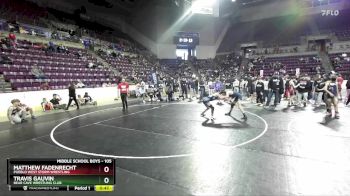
64,174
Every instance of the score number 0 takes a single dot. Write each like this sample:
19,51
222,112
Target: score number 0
106,170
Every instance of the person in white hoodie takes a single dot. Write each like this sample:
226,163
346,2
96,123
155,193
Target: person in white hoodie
235,86
142,91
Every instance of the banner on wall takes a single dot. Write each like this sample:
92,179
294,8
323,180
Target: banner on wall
297,71
261,73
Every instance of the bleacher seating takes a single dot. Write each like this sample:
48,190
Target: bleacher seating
289,63
60,68
135,67
343,35
286,30
25,11
343,65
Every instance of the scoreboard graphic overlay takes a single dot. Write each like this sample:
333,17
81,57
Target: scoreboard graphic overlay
64,174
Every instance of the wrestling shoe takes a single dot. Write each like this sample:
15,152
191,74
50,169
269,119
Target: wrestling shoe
244,117
202,115
336,116
211,118
228,114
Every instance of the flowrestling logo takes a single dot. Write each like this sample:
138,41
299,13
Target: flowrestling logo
330,12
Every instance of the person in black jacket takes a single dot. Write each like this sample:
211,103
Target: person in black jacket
196,86
310,84
303,87
201,89
275,87
169,90
184,88
318,84
259,89
72,96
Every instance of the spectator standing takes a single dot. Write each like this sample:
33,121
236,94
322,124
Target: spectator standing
123,88
274,86
184,88
340,83
12,38
236,86
203,92
259,92
211,87
348,91
169,91
317,94
302,89
196,85
142,91
289,90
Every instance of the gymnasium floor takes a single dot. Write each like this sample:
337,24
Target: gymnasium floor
168,149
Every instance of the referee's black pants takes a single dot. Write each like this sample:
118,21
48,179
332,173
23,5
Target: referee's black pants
70,101
124,98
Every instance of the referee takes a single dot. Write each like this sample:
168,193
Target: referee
123,88
72,96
